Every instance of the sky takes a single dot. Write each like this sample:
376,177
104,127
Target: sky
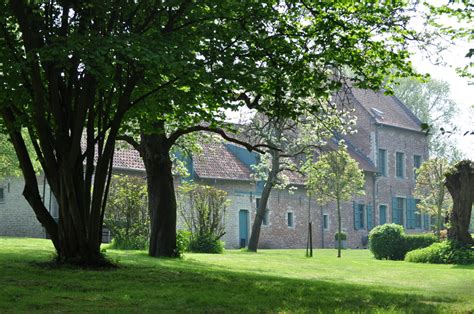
461,92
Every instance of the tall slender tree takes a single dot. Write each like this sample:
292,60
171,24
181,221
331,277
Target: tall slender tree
335,177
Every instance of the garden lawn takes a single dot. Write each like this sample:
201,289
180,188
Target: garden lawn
237,281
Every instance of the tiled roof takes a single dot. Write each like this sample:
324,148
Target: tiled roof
217,162
128,158
387,110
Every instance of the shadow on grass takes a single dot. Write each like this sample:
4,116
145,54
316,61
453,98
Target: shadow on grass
144,283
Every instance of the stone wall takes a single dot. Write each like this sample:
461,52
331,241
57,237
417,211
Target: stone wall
16,216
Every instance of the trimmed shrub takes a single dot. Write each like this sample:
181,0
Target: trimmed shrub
183,238
342,235
446,252
418,241
387,242
206,244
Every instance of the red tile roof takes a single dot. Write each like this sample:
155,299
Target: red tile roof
217,162
387,110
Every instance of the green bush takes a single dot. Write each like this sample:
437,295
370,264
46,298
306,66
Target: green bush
183,238
122,241
446,252
342,235
389,241
418,241
205,244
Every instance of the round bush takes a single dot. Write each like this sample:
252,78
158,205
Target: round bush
205,244
446,252
387,242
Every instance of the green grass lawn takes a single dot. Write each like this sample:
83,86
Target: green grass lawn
268,281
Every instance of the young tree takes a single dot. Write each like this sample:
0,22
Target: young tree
287,142
431,102
431,191
202,210
126,215
335,177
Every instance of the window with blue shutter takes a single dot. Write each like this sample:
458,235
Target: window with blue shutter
398,206
382,214
359,216
411,209
426,222
370,217
417,215
399,165
416,164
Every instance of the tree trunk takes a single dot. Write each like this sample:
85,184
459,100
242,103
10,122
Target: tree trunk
339,241
257,224
460,184
161,195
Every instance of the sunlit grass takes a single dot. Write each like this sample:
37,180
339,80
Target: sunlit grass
237,281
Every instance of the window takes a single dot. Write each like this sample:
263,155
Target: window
416,164
399,164
398,208
290,219
359,216
382,214
370,218
411,213
265,218
2,195
325,222
426,222
417,215
382,162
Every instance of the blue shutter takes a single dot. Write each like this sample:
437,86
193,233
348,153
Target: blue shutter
411,208
382,214
370,223
356,217
394,210
426,222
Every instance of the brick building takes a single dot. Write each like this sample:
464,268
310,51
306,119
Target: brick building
388,147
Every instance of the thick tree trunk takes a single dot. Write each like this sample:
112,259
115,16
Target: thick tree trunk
257,224
460,184
161,195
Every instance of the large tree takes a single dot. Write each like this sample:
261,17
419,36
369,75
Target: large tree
431,191
335,176
460,184
71,71
432,103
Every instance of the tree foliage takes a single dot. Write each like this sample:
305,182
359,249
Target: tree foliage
431,191
432,103
72,71
335,176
